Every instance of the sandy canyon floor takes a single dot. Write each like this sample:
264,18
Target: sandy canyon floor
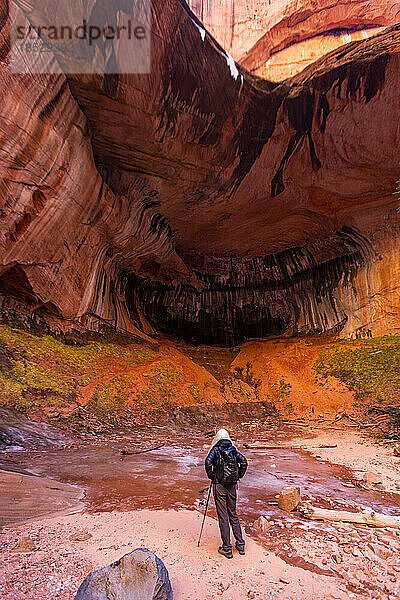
48,556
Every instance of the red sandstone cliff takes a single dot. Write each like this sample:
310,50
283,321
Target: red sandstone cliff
278,38
200,200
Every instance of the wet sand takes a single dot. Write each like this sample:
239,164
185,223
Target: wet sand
24,497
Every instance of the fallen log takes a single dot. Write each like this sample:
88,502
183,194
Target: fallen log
255,446
366,517
124,452
273,475
320,446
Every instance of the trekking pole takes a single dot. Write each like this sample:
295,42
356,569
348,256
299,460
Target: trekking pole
205,512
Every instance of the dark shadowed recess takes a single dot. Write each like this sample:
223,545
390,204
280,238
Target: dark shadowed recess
295,290
14,283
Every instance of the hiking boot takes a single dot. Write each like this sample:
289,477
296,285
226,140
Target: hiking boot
240,548
226,553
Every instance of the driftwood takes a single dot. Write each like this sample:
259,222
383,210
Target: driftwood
366,517
273,474
141,451
358,424
320,446
255,446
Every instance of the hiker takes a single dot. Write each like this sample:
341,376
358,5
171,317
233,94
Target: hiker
225,466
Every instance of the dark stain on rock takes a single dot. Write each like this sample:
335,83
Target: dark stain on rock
277,185
256,127
315,162
323,112
367,76
375,77
52,105
300,109
302,104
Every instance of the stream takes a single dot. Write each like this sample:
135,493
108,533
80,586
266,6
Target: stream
174,477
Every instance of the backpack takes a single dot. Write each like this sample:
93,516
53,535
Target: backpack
227,471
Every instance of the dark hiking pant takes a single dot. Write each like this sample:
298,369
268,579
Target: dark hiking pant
225,503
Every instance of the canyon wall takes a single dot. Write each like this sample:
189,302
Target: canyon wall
237,24
277,39
199,200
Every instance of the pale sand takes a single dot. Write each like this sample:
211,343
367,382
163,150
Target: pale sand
196,573
358,453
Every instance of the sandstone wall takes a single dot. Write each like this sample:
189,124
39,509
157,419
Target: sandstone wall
278,38
200,200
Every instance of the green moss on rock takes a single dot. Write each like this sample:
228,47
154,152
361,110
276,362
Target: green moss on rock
370,368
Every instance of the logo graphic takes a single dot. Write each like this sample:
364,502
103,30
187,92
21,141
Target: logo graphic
85,36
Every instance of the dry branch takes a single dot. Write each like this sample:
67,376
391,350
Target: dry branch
255,446
141,451
358,424
366,517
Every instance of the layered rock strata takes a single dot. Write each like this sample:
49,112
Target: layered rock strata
200,200
279,38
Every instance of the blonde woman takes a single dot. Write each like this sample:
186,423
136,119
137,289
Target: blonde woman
225,465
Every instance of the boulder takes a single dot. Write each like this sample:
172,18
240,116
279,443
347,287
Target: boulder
289,498
139,575
262,524
24,544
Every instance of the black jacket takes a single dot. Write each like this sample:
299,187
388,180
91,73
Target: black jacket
213,456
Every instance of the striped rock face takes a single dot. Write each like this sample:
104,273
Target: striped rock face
277,39
197,199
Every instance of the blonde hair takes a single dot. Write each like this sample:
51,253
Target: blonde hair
222,434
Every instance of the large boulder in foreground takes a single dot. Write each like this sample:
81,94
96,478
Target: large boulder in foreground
139,575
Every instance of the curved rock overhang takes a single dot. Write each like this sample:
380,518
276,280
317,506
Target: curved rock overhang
279,38
298,33
200,200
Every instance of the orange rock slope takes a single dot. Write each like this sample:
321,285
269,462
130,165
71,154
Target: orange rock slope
199,200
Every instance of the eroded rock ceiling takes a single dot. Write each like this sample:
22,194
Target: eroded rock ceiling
200,200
